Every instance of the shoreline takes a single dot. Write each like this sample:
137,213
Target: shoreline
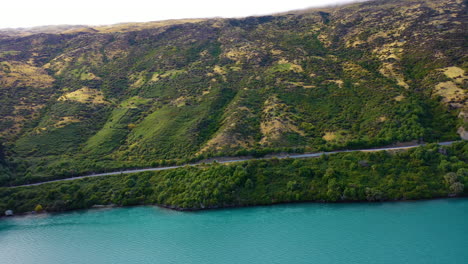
225,207
353,178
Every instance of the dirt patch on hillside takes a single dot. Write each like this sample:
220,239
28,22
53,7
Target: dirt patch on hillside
399,98
22,74
65,121
390,70
329,136
84,95
451,93
276,121
228,136
455,73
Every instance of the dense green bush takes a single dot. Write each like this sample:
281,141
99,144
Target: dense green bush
421,173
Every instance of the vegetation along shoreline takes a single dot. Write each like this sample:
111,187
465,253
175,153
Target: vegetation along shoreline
425,172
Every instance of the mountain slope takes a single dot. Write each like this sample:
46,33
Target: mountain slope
83,99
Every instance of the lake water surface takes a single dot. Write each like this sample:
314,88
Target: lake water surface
403,232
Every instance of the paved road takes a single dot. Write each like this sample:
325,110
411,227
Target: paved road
231,160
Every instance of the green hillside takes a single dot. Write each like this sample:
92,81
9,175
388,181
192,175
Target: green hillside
81,99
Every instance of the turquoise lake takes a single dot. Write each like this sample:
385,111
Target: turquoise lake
402,232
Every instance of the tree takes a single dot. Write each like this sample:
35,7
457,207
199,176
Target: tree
457,188
333,190
373,194
330,173
292,186
450,178
462,172
249,184
38,208
306,172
